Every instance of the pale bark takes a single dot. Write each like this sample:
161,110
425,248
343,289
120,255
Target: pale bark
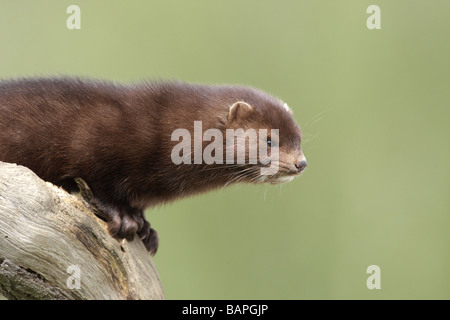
46,234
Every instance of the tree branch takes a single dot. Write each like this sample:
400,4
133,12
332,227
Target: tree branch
53,247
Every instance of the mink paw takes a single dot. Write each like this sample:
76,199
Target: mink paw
125,223
131,222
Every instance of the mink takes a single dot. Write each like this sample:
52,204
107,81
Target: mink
119,139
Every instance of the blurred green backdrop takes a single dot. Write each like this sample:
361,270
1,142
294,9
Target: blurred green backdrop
373,105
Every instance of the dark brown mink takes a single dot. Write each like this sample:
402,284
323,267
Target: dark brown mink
118,139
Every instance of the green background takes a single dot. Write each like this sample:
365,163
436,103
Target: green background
373,106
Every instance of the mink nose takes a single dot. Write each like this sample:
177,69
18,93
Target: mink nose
301,165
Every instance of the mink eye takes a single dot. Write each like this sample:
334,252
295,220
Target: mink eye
269,142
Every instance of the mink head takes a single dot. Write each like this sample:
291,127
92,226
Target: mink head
243,133
264,130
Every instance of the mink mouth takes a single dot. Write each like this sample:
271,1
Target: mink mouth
284,178
284,175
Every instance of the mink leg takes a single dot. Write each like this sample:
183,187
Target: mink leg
128,222
123,221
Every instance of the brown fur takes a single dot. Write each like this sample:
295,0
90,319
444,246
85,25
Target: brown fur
118,139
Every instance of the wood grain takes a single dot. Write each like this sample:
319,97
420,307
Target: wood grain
44,230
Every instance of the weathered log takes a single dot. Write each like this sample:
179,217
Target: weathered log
52,246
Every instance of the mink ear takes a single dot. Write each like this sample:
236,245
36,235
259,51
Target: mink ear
238,110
